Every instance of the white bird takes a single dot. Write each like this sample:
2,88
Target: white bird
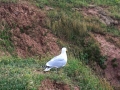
58,61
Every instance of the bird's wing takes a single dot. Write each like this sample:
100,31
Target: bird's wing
57,58
57,61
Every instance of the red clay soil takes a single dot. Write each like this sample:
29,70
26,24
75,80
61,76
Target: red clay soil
52,85
112,71
26,26
98,12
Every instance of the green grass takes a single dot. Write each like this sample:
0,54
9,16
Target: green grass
8,1
84,76
18,74
5,39
114,31
68,27
27,74
65,4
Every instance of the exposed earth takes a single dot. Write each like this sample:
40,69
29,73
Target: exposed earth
98,12
112,71
53,85
28,35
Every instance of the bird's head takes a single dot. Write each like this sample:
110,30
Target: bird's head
64,49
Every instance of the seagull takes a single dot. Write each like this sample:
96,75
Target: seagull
58,61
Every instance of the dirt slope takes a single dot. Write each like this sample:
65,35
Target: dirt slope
112,71
50,85
53,85
28,34
98,12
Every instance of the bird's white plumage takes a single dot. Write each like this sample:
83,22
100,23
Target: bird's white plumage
58,61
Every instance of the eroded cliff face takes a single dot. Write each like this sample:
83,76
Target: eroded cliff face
112,52
26,27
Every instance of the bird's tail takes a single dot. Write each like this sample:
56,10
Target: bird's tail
47,69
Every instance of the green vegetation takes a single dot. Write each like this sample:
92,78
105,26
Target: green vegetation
5,39
19,74
84,76
8,1
27,74
71,27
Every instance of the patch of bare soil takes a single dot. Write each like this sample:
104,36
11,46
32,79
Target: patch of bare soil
28,33
52,85
112,71
98,12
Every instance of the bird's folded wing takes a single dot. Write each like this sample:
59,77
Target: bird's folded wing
56,61
57,58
